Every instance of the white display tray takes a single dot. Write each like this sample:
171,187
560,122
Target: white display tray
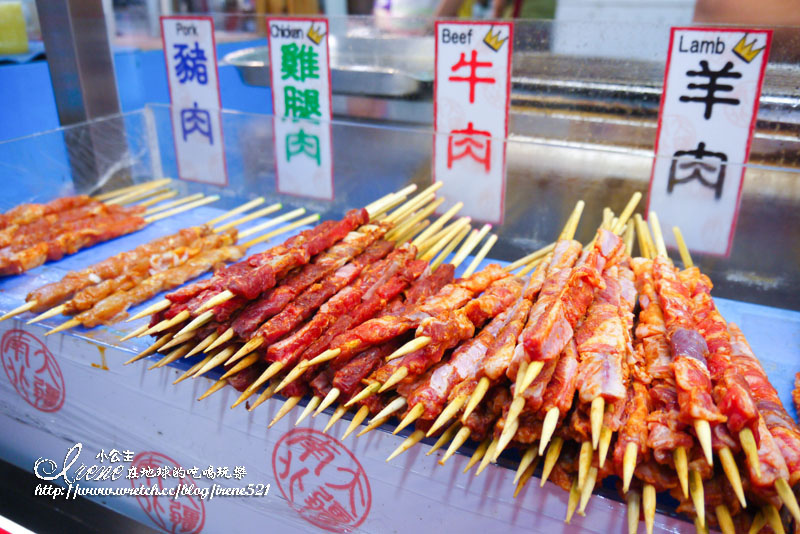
106,405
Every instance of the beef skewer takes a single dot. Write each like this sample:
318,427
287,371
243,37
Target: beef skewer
210,365
386,293
267,334
268,266
301,340
349,371
254,287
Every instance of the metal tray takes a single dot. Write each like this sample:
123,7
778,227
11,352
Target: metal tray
396,68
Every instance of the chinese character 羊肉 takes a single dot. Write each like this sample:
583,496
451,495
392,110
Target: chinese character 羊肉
197,120
699,164
191,63
712,87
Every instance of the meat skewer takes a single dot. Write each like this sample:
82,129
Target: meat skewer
48,296
632,429
249,290
503,333
279,363
781,427
362,313
433,313
111,307
565,297
376,209
186,294
267,268
129,265
693,362
667,438
84,233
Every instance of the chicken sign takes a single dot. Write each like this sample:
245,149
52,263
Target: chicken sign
301,101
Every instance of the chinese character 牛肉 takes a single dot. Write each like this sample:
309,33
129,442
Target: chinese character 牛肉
476,144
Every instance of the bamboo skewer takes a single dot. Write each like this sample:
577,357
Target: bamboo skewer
169,193
180,209
139,194
152,184
269,373
446,436
227,295
329,354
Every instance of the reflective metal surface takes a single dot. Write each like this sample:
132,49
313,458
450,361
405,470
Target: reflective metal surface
603,101
405,68
84,86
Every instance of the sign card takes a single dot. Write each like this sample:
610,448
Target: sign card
708,112
301,103
191,56
471,97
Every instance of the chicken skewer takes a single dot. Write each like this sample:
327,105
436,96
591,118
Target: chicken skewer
113,306
132,266
72,236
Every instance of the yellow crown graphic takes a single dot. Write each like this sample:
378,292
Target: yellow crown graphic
744,50
493,40
314,35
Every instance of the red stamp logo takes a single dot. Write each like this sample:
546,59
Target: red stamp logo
184,515
322,480
32,370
